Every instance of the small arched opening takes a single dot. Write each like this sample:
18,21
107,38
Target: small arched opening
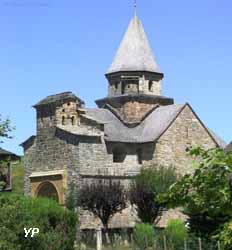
48,190
150,86
63,120
140,156
73,120
119,155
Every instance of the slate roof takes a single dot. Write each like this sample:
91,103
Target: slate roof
5,153
149,130
229,147
58,98
114,100
134,53
219,140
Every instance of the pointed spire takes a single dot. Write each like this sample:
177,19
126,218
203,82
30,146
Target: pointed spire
135,7
134,53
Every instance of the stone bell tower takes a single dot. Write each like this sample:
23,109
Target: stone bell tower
134,78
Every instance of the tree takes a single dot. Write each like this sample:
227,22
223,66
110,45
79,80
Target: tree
145,189
103,200
5,128
207,194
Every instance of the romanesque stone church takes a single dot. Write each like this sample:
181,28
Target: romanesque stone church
134,126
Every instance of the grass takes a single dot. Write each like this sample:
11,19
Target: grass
17,177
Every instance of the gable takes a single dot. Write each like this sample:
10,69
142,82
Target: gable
188,128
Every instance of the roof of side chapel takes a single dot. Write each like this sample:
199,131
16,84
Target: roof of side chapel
5,153
134,53
58,98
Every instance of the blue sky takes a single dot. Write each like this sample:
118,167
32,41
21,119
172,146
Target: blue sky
49,46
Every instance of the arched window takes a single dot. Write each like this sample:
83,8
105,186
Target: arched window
73,120
63,120
123,87
116,85
48,190
140,156
150,85
118,155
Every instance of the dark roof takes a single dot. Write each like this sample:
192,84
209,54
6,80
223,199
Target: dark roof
28,143
65,96
229,147
221,143
4,153
117,100
134,53
149,130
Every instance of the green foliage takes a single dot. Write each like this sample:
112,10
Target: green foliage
143,236
3,173
207,194
145,189
225,236
57,225
5,128
176,233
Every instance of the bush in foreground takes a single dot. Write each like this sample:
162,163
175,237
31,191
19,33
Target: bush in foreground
148,184
225,236
176,232
143,236
57,225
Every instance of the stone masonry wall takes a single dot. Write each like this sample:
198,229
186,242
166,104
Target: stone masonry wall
96,158
96,161
90,158
172,147
134,111
66,114
51,153
150,84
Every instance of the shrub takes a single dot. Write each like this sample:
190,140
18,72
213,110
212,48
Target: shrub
206,194
225,236
143,236
147,186
176,232
57,225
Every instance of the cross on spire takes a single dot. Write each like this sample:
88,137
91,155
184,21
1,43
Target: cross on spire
135,7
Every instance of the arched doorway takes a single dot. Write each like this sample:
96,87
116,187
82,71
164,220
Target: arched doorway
48,190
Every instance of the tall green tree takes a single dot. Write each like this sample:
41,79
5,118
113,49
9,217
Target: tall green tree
145,189
207,194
